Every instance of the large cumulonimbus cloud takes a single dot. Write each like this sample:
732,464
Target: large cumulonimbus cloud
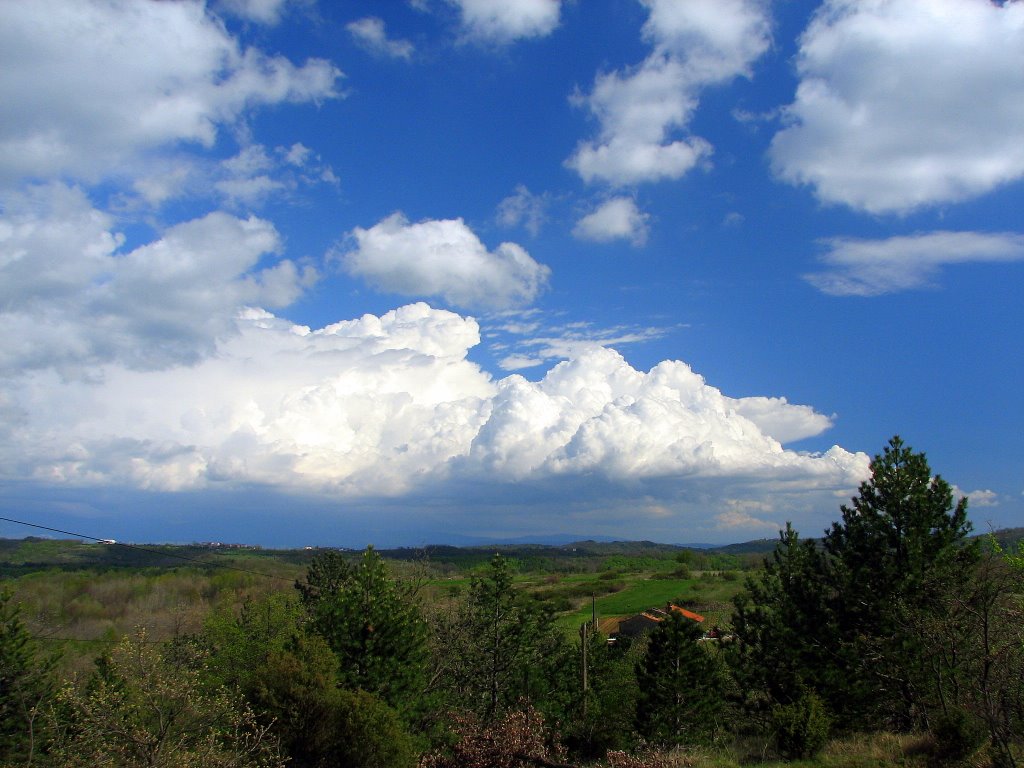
157,367
387,405
906,103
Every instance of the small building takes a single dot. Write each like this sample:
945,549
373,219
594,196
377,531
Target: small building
642,623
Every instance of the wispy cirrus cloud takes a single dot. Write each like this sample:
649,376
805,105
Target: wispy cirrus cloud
856,267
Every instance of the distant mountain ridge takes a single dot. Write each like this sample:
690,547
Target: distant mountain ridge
33,552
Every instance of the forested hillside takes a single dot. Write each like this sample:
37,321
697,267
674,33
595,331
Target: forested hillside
897,637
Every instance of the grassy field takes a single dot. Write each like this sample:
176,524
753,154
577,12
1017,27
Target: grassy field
706,594
871,750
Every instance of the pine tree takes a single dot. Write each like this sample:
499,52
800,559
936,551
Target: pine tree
901,544
371,623
25,684
902,537
681,698
503,649
785,629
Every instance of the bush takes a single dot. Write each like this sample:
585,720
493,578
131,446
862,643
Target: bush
800,729
370,733
958,735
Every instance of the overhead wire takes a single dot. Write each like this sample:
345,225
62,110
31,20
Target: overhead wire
136,547
173,555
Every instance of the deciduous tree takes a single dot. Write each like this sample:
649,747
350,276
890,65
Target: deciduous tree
150,710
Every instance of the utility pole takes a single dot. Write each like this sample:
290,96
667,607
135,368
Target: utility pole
584,642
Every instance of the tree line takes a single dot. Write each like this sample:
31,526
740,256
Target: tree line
894,621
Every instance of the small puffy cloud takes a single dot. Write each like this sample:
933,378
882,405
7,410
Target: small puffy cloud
979,498
906,103
73,298
522,208
443,258
370,33
505,21
875,267
637,109
255,174
615,219
260,11
100,86
984,498
644,111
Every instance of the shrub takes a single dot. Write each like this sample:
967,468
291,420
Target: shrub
957,735
800,729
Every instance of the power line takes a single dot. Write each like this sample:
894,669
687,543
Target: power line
111,542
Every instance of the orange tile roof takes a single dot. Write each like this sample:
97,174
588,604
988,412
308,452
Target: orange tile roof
688,614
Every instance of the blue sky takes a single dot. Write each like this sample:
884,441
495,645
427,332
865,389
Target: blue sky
294,272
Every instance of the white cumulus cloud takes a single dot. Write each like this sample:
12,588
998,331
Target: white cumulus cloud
644,111
906,103
100,84
874,267
370,33
782,420
615,219
523,207
73,297
443,258
504,21
259,11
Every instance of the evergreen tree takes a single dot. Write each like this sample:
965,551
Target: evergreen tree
843,623
241,644
371,623
603,718
25,684
321,725
786,636
681,686
502,649
902,542
902,538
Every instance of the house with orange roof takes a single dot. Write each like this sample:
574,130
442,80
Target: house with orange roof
644,622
